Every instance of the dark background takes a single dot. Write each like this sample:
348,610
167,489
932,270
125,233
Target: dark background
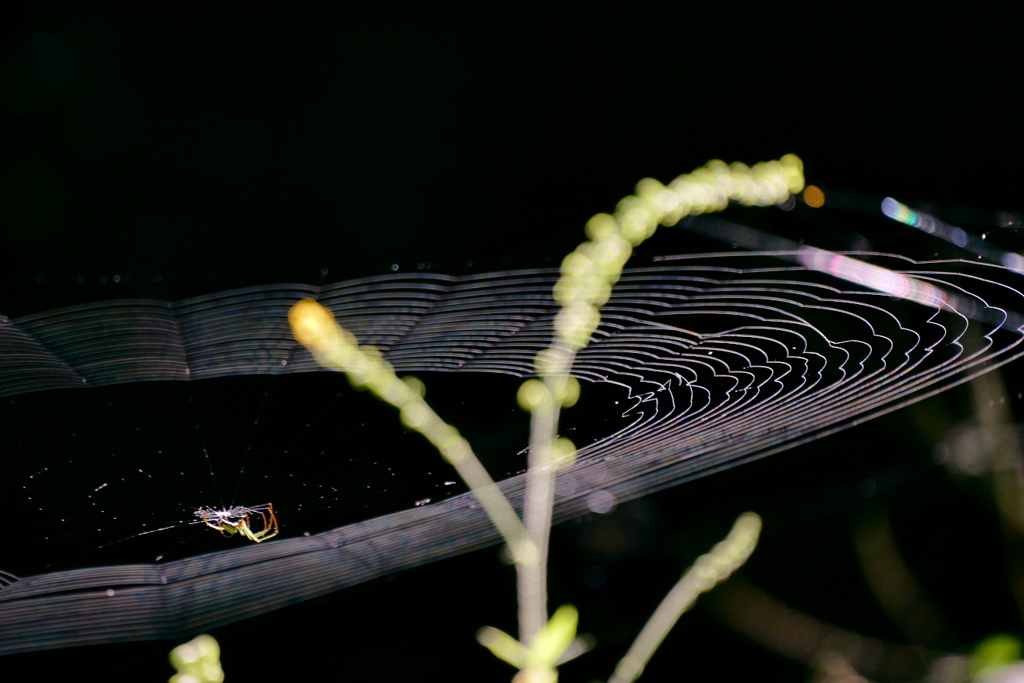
169,153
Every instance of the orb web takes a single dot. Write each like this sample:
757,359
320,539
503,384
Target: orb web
718,359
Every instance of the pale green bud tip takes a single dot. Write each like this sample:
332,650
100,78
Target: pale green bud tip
312,324
566,390
502,645
748,522
416,385
994,653
200,647
634,230
600,226
197,661
554,639
649,188
576,263
793,168
415,416
532,395
563,452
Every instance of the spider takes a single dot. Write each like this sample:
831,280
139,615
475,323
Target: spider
236,520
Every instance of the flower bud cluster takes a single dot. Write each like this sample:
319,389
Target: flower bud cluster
590,272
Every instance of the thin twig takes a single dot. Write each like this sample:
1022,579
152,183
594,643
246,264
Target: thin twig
538,507
706,572
333,347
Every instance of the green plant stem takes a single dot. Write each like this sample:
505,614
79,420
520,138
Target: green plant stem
332,347
538,506
706,572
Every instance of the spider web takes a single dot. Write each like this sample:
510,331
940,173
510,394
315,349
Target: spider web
117,473
716,359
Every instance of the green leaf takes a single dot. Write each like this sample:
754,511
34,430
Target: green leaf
504,646
554,639
995,652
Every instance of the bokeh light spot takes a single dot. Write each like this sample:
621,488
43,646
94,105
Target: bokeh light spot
814,197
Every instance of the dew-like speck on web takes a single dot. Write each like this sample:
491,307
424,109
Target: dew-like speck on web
602,502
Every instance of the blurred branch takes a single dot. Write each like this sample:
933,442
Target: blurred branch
710,569
766,620
1001,458
894,585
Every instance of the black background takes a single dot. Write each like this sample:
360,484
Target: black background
168,152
